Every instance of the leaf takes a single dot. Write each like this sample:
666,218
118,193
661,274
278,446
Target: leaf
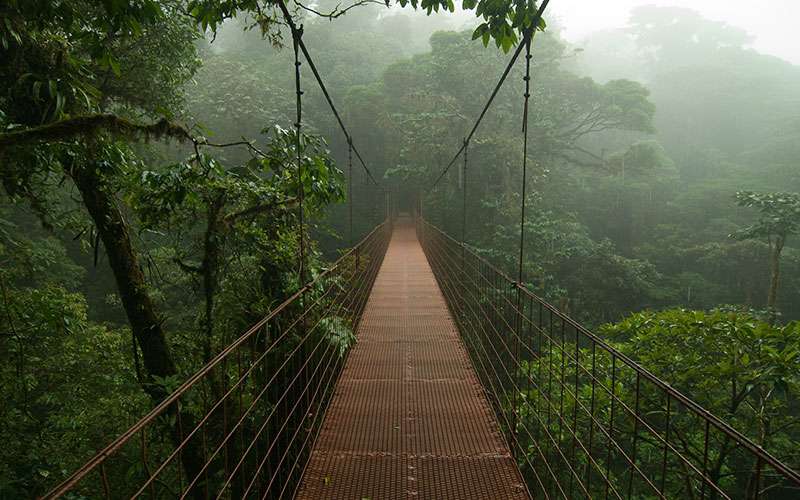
114,66
37,89
507,42
59,104
480,31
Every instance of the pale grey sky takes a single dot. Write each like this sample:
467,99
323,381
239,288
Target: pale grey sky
773,23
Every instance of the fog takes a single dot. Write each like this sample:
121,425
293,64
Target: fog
771,23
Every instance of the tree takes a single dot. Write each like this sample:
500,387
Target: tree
58,361
739,367
58,76
734,364
219,218
779,219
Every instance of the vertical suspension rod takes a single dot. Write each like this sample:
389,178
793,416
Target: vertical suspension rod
297,33
527,78
350,185
464,203
527,95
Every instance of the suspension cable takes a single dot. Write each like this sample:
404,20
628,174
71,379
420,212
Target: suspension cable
464,200
350,185
527,95
537,18
289,21
297,34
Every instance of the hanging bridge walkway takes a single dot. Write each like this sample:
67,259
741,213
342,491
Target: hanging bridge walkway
408,418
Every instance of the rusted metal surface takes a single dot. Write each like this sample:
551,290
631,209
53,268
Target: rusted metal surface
409,418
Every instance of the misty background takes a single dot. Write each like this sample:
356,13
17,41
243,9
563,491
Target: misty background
650,191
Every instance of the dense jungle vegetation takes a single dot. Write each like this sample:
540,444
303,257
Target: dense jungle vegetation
148,211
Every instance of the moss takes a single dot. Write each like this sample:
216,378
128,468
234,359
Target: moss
90,125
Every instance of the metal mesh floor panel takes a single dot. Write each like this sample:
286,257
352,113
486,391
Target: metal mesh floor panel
408,418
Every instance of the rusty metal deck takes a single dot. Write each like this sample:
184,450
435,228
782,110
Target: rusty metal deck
409,418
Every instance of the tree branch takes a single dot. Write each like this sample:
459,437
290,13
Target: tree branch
187,268
261,208
337,12
90,125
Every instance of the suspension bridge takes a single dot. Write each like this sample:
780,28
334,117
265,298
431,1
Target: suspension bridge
414,368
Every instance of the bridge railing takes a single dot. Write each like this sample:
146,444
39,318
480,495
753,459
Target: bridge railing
582,419
243,426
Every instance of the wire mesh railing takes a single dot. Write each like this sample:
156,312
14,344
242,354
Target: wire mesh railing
582,419
243,426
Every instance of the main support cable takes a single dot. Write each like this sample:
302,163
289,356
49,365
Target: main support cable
536,20
293,27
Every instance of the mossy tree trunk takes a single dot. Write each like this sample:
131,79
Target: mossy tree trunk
139,307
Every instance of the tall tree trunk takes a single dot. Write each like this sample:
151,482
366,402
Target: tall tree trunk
210,264
775,272
138,305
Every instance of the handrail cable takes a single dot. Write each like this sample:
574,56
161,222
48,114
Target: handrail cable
537,18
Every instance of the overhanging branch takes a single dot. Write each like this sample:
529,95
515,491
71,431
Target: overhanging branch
82,126
89,125
338,11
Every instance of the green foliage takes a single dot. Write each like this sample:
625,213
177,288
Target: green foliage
496,25
66,382
503,20
62,58
735,364
265,182
339,334
779,214
779,219
584,277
